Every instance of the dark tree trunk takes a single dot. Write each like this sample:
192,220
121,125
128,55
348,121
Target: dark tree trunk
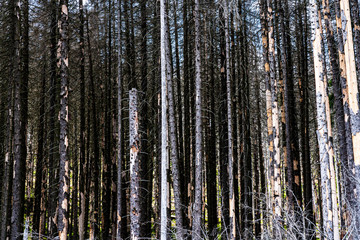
106,198
94,229
304,120
18,188
83,169
53,176
145,203
186,136
64,186
40,177
211,144
119,128
223,134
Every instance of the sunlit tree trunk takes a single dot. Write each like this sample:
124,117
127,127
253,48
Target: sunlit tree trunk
354,106
325,146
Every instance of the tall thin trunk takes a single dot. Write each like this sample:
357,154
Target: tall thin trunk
64,186
106,198
83,169
304,121
232,229
8,159
340,116
134,164
265,42
174,148
53,177
186,133
119,126
325,147
196,227
211,143
94,230
347,166
145,228
40,163
224,177
164,123
19,163
354,105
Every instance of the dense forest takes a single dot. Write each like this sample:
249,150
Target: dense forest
187,119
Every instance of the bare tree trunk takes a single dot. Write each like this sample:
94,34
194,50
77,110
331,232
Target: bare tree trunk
232,229
304,120
63,220
211,181
174,152
8,160
94,230
164,123
19,163
83,169
134,164
119,126
197,227
354,105
275,164
270,139
40,163
325,147
53,176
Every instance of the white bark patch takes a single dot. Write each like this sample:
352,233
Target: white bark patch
64,9
356,140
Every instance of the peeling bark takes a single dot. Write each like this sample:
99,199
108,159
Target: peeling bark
325,147
134,164
354,105
63,220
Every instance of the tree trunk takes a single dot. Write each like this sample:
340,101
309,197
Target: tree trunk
18,188
325,147
134,164
119,126
53,173
40,163
354,105
83,169
197,227
164,124
304,121
64,186
94,230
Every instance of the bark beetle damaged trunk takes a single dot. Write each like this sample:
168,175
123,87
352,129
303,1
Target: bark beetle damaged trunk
134,164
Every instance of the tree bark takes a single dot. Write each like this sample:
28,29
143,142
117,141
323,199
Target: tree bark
197,226
354,105
64,186
325,147
134,164
83,170
119,126
164,123
53,173
18,187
